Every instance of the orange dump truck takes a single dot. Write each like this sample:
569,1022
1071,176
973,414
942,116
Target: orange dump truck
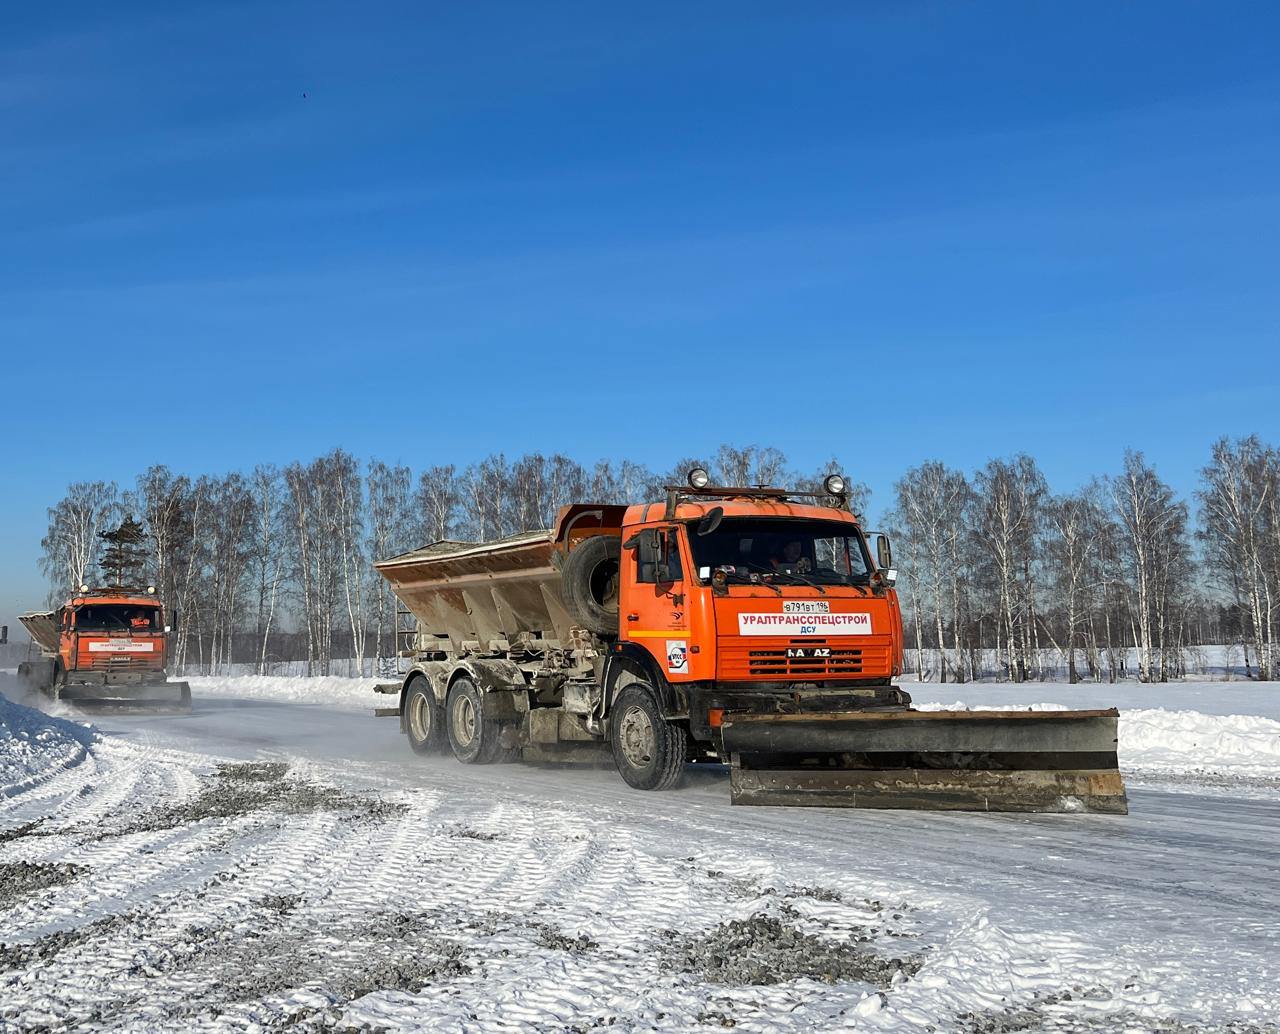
750,626
104,647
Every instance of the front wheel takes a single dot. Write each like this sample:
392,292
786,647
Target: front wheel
648,750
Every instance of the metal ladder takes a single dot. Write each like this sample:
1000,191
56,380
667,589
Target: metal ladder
392,670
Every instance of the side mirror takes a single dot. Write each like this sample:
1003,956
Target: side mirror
669,561
884,551
649,543
711,520
645,540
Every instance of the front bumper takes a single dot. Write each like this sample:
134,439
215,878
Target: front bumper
709,704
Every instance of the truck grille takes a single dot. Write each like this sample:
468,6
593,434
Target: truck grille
804,659
118,662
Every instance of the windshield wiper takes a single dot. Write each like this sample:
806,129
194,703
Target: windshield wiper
767,585
797,574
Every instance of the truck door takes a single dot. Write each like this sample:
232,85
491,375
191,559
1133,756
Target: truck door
68,640
654,611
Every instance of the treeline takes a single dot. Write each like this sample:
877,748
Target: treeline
276,564
994,561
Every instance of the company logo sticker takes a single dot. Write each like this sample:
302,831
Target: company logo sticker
677,657
122,646
804,624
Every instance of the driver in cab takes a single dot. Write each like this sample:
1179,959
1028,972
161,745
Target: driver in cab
791,559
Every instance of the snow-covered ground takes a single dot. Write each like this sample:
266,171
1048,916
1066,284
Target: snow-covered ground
270,861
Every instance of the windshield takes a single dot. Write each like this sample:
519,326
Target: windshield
117,617
751,550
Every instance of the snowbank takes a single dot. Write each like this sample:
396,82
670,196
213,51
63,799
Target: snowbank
1159,741
34,746
1179,741
329,690
1224,698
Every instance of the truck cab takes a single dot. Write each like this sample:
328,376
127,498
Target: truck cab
112,634
105,646
762,605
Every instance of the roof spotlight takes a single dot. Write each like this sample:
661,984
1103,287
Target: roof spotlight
699,478
151,590
84,588
833,484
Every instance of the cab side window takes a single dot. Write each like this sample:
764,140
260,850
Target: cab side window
658,558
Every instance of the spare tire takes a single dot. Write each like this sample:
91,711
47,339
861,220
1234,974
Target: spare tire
590,581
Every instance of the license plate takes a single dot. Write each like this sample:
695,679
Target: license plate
806,607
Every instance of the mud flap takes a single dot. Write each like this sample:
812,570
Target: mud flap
1031,761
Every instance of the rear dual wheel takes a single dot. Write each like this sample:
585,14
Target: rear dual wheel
475,740
423,717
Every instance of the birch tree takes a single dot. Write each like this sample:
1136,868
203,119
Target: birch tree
1238,504
163,500
299,482
436,502
71,545
485,507
266,555
389,491
931,505
231,508
1072,549
750,465
342,480
1152,522
1007,505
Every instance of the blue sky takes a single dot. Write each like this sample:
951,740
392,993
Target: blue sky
892,231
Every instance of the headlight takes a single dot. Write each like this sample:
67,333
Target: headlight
833,485
699,478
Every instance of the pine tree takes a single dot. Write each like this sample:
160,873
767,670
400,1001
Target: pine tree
124,554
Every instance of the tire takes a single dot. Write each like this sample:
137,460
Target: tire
43,676
590,581
184,698
475,740
648,750
423,718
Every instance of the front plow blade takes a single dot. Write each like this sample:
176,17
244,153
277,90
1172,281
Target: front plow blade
1037,761
148,697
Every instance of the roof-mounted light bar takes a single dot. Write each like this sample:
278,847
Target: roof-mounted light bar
699,485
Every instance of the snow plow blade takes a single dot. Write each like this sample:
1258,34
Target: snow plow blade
150,697
1034,761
